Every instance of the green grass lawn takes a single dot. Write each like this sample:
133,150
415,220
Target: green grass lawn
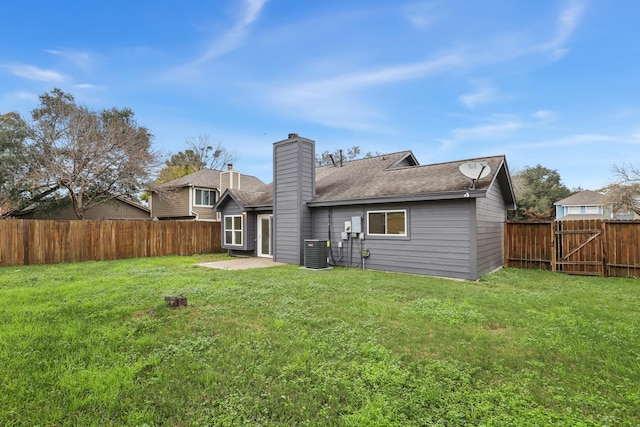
95,344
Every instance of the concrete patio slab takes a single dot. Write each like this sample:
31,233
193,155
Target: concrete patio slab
242,263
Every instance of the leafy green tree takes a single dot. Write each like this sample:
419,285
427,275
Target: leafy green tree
537,189
88,157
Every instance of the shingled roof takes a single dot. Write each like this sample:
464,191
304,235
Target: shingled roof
210,178
387,177
583,198
391,178
252,199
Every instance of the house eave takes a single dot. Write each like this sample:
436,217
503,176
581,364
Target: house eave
175,218
424,197
260,208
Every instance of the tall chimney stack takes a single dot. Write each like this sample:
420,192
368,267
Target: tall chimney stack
294,184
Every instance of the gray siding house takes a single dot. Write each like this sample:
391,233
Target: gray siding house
192,196
385,213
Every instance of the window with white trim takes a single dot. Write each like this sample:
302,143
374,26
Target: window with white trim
591,210
572,210
233,230
204,197
387,223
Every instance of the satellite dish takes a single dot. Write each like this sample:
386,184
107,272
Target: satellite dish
475,171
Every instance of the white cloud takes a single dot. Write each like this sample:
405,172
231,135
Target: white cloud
490,131
353,81
567,23
481,96
422,15
336,101
493,131
80,59
34,73
571,140
234,37
544,115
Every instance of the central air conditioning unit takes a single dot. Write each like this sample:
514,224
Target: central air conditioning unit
315,254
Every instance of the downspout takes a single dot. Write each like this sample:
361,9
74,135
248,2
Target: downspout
191,212
333,261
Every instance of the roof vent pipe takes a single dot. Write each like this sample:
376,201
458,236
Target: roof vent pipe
340,157
293,135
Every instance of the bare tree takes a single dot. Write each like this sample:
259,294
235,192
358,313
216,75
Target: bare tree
13,132
200,154
624,194
89,157
212,156
327,158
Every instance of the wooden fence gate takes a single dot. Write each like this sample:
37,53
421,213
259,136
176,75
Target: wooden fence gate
595,247
580,247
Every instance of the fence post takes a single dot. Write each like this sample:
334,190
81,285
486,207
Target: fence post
25,242
552,226
605,262
506,250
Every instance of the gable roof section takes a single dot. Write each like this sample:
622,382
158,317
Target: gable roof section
582,198
203,178
134,204
210,178
392,177
248,200
380,179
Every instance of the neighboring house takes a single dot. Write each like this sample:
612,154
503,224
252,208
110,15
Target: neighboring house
385,213
587,204
192,196
118,208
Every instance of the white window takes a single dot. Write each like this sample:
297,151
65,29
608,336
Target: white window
233,230
591,209
205,197
573,210
387,223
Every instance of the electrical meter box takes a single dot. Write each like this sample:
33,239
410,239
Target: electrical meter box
356,224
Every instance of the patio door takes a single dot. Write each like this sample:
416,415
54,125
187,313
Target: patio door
264,235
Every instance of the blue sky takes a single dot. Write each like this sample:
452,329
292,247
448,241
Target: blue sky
555,83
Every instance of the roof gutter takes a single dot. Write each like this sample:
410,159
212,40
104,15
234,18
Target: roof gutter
451,195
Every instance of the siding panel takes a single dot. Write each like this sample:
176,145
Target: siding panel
438,243
174,204
490,217
294,177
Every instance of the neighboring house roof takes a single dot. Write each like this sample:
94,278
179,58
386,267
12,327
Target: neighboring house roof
583,198
389,178
134,204
33,209
210,178
201,178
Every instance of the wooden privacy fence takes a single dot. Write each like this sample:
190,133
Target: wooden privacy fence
24,242
594,247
